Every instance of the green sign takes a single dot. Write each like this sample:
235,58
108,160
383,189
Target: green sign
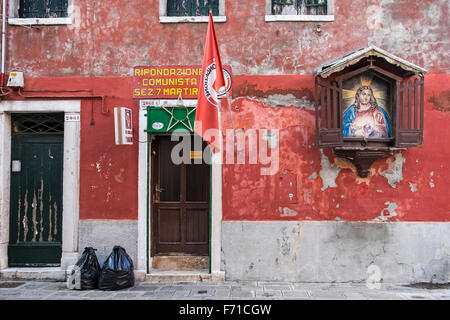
170,119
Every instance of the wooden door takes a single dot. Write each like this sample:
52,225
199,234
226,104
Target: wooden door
180,201
36,191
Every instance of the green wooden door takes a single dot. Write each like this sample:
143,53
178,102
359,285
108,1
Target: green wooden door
36,200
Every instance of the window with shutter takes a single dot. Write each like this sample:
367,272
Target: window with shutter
183,11
43,8
369,104
305,7
192,7
40,12
299,10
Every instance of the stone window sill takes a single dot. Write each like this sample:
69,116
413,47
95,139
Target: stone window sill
39,21
165,19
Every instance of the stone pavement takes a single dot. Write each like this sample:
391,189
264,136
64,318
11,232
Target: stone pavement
227,290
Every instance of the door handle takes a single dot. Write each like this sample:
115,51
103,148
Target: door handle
158,188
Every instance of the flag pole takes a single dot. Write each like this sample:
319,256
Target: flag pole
231,118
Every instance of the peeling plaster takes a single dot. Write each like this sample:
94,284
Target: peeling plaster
328,173
289,99
413,186
388,212
431,180
395,172
313,176
287,212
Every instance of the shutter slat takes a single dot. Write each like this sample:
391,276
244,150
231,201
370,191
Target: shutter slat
328,104
335,108
415,103
409,103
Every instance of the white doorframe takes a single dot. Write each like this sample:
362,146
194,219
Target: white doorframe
144,199
71,172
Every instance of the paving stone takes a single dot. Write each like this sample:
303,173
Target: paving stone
296,294
22,298
310,286
283,283
442,296
56,286
416,296
181,293
35,293
5,293
69,293
202,292
171,288
277,287
354,295
124,295
97,294
66,298
329,294
238,293
247,283
268,293
35,285
246,288
372,295
144,288
162,294
222,292
150,294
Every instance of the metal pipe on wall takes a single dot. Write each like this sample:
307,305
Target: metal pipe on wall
3,36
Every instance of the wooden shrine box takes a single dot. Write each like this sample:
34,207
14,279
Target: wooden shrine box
369,104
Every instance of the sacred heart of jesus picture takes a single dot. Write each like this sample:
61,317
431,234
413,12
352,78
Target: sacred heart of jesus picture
367,106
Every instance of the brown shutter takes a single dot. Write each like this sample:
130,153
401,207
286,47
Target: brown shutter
409,114
327,102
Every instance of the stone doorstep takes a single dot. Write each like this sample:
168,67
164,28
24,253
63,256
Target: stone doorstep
54,274
179,276
48,274
180,262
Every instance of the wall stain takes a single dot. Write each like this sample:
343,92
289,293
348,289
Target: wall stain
442,101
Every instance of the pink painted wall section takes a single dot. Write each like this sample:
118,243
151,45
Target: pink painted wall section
108,172
109,38
408,186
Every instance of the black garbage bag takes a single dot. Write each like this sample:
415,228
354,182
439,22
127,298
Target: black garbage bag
117,271
86,272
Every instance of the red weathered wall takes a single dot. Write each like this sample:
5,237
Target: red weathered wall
411,187
271,61
108,173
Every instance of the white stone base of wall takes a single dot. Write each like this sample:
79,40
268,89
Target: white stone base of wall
313,251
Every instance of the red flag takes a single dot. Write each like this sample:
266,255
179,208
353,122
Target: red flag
207,114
